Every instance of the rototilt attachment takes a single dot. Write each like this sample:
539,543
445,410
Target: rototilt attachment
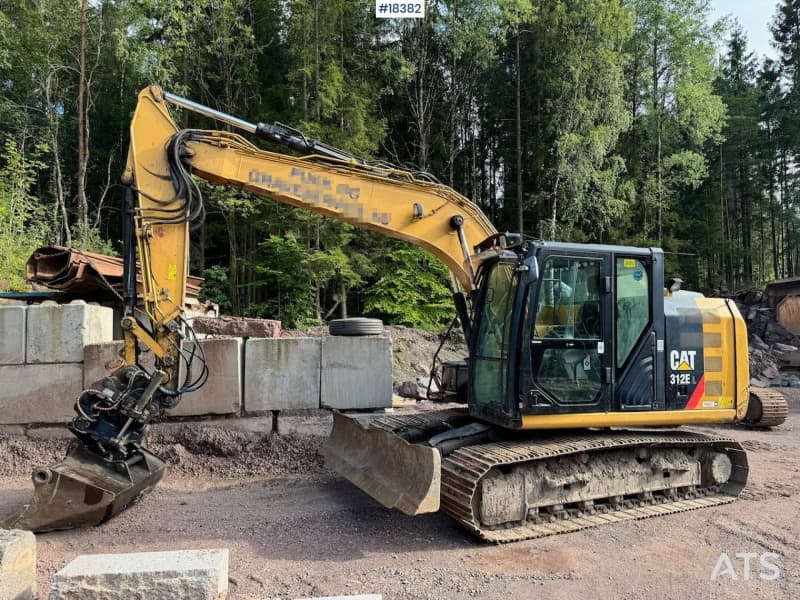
84,489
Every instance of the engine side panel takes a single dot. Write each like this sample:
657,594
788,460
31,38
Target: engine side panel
705,354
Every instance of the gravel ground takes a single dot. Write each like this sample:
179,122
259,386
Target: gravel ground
296,530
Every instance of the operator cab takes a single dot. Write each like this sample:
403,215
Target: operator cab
564,329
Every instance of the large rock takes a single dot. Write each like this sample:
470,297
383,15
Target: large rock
238,327
176,575
17,565
39,393
12,335
282,373
57,333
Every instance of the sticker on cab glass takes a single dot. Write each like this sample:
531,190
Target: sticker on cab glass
638,275
629,263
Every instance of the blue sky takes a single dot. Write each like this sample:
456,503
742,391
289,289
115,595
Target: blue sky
754,16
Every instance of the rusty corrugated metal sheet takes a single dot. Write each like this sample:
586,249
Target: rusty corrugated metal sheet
86,275
783,287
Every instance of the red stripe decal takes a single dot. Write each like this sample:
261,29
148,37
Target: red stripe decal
697,394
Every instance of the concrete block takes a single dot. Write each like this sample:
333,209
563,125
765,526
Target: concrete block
17,565
97,356
95,359
57,333
39,393
356,372
12,335
196,574
282,373
222,393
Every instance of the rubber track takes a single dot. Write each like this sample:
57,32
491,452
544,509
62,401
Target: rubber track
774,409
464,468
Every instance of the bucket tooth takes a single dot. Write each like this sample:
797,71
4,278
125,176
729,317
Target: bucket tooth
84,489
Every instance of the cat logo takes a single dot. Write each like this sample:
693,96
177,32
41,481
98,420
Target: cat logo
682,360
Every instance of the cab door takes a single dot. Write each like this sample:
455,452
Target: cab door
570,336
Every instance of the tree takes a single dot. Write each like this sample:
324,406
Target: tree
674,108
23,221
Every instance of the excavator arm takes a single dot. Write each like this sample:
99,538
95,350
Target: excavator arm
110,468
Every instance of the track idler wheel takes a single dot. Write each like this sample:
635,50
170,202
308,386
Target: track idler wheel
766,408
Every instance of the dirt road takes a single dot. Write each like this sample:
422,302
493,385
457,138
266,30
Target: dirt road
295,530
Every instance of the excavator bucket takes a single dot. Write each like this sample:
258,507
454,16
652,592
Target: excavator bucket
396,473
84,490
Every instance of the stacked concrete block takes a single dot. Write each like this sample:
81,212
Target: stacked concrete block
328,372
57,333
41,356
196,574
95,359
17,564
39,393
50,353
282,373
356,372
12,335
222,393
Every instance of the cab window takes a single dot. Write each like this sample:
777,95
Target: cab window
633,305
569,302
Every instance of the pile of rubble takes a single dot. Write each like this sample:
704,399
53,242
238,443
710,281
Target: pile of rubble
774,351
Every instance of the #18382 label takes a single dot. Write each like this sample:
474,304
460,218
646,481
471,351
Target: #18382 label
389,9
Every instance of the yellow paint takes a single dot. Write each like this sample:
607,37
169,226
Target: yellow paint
378,198
725,356
633,419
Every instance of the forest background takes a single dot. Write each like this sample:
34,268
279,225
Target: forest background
637,122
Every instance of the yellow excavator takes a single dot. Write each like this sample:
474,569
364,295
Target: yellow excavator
582,360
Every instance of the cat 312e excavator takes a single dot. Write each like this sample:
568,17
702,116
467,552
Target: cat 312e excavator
579,355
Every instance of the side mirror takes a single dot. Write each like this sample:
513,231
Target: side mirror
530,266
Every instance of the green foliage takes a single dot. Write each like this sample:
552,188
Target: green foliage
23,222
216,288
412,289
280,270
